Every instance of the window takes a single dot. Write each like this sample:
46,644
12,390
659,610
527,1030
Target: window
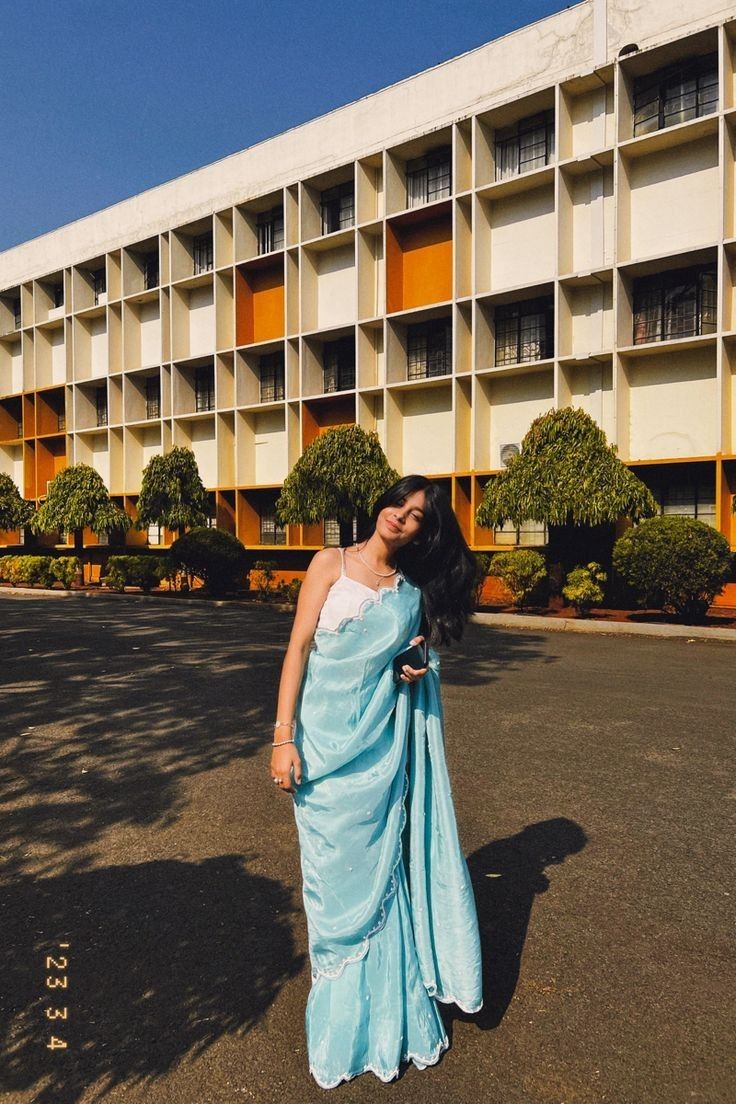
529,533
693,496
528,144
337,207
202,253
58,295
524,331
429,349
17,319
678,303
153,397
103,538
150,271
271,372
99,284
271,531
428,177
332,532
675,94
271,230
61,421
101,405
338,361
204,388
154,534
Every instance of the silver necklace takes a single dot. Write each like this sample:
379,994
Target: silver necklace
380,574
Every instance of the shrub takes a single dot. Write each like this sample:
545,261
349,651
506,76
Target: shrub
676,564
289,592
27,570
483,560
65,568
520,571
582,588
261,578
215,556
141,571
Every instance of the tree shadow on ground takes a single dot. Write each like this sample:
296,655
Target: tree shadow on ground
163,959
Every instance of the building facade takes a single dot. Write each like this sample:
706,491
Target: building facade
547,220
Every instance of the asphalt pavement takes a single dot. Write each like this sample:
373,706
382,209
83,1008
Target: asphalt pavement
150,881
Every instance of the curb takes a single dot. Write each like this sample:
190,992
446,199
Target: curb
608,628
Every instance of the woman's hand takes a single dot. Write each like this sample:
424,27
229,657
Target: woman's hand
283,761
413,674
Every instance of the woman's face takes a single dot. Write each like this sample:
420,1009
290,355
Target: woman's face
400,524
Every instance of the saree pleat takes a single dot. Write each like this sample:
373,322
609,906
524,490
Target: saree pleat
389,904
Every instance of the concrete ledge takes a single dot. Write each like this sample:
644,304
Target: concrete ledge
612,628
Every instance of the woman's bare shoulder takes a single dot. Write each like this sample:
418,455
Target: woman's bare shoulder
325,564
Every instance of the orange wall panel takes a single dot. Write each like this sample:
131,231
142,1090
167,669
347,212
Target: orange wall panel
418,263
259,305
427,264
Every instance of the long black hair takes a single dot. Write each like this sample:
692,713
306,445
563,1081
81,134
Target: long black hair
439,560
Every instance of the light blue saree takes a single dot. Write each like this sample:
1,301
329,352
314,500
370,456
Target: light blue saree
389,904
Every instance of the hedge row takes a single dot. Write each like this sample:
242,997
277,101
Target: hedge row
45,570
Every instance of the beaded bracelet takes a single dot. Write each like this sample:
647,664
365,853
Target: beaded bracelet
283,724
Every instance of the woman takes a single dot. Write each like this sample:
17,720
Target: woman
390,909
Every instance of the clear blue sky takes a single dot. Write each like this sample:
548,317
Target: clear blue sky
105,98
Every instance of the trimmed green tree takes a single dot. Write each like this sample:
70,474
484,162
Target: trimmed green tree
339,475
77,500
570,478
520,571
676,564
15,511
172,492
215,556
583,588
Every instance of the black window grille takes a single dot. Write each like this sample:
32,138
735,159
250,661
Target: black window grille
524,330
527,144
429,177
332,532
337,207
271,373
429,349
61,421
19,427
678,303
153,533
17,316
101,405
204,388
99,284
529,533
675,94
338,362
150,272
271,531
693,497
202,253
58,295
271,230
153,397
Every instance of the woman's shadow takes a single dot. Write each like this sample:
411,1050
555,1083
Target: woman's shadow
507,875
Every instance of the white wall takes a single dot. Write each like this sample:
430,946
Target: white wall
201,321
592,391
98,346
205,450
515,402
427,432
592,126
11,463
58,357
675,199
150,318
269,445
592,221
523,233
592,319
673,405
16,367
337,289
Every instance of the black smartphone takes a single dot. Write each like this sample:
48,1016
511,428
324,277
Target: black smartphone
416,656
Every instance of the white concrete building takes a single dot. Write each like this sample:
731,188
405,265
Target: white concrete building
546,220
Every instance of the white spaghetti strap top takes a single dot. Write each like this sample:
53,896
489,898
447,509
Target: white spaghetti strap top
344,598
